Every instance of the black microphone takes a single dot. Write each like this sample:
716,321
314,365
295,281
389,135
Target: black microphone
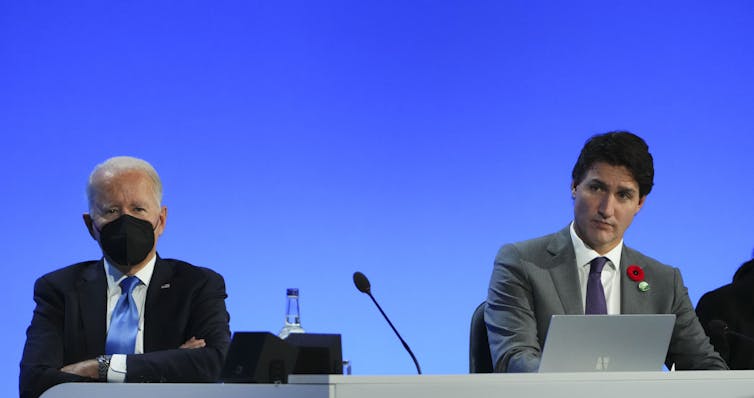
719,327
362,283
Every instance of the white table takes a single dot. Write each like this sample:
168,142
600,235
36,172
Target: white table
702,384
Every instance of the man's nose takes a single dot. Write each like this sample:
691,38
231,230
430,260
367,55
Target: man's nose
607,206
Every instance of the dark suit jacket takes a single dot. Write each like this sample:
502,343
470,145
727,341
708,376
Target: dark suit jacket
69,324
734,305
535,279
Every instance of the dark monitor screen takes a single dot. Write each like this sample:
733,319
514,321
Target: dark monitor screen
261,357
317,353
258,357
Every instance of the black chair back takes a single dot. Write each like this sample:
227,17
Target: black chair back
480,359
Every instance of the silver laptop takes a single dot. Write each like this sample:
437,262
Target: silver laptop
607,343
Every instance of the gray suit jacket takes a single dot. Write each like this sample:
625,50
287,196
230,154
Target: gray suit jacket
535,279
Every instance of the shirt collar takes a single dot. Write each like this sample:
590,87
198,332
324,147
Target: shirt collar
115,276
585,254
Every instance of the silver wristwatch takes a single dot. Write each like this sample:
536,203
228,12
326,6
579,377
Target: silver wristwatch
103,365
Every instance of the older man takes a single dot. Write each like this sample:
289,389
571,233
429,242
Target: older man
586,268
130,316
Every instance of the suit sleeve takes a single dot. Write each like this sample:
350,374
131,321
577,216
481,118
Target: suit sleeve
43,352
710,308
209,321
510,317
690,349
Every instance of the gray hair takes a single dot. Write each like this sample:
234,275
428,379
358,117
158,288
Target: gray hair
117,165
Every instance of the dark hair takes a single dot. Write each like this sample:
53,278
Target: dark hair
743,270
618,148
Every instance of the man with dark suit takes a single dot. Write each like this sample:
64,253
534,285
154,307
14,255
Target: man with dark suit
727,314
131,316
585,268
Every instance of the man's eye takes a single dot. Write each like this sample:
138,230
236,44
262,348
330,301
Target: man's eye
111,211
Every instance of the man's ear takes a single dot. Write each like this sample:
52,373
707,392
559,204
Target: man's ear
89,225
641,204
163,220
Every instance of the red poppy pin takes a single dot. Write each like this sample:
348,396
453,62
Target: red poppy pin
637,275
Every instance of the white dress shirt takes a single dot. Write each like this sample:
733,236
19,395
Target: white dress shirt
117,371
610,273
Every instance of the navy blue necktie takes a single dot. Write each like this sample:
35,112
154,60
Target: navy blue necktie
595,293
124,322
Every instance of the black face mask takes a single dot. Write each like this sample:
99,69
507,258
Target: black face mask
127,240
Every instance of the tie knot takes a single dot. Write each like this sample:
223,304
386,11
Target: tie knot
129,284
597,265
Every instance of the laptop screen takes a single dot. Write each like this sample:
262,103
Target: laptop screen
607,343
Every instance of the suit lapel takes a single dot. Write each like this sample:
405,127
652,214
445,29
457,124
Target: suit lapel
562,266
632,300
154,314
92,295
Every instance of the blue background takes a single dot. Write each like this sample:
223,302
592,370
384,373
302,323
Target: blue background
299,142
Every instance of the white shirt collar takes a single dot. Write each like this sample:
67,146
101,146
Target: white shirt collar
585,254
115,276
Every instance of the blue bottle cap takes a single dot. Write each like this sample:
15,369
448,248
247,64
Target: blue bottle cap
292,291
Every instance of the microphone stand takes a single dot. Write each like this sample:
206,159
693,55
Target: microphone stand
418,369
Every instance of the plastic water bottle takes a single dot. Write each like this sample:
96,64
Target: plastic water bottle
292,314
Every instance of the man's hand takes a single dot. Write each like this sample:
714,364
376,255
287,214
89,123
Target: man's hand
193,342
88,368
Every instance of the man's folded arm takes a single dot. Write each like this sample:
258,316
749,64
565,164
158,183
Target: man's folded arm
209,322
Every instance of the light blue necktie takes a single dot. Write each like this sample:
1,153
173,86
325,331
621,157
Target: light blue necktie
124,322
